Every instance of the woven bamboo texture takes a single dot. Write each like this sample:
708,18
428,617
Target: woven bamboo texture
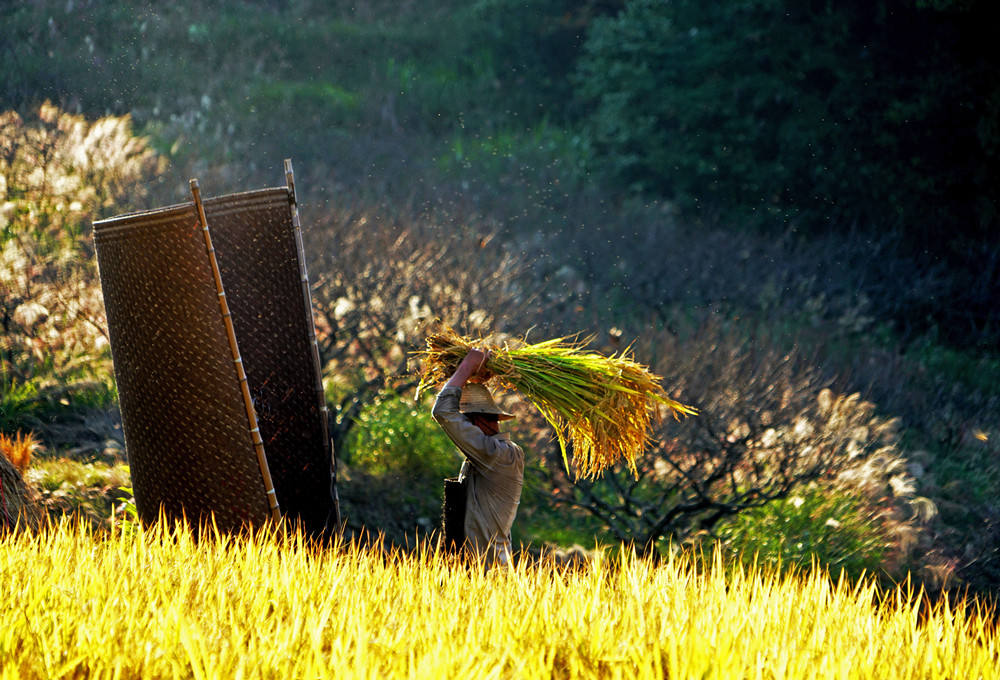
187,432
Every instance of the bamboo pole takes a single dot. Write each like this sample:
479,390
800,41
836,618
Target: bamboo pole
313,342
258,442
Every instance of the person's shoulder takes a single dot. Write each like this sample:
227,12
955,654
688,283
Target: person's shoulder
503,442
446,403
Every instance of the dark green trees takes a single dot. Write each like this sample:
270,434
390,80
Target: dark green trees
815,113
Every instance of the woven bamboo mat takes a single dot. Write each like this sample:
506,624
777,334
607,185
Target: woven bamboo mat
187,431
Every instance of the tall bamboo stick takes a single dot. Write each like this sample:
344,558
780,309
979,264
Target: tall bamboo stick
258,442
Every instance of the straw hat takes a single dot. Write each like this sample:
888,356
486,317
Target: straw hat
477,399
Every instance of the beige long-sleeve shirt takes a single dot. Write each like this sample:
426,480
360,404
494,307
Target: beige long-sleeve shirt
495,468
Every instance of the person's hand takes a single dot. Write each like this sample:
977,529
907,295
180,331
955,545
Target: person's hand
475,360
471,364
485,354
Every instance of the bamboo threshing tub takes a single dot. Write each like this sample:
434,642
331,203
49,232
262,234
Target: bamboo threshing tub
216,361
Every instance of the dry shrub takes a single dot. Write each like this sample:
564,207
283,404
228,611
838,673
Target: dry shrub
381,281
949,404
842,285
769,424
59,172
19,449
17,505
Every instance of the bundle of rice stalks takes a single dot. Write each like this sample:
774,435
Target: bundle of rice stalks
17,508
605,406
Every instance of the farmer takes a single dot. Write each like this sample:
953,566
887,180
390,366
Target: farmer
493,463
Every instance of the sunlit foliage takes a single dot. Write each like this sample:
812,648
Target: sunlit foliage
58,172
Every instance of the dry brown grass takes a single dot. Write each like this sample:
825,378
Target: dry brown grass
17,507
19,448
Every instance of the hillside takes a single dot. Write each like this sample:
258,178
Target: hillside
480,145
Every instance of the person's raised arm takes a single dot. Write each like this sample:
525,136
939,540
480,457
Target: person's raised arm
471,440
470,365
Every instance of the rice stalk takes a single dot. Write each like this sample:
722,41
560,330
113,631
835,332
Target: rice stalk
604,407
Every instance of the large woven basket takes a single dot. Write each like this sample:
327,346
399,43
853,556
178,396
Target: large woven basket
216,361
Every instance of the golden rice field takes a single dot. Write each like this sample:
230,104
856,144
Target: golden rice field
158,604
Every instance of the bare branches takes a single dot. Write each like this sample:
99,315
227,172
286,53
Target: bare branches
384,280
768,424
59,172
